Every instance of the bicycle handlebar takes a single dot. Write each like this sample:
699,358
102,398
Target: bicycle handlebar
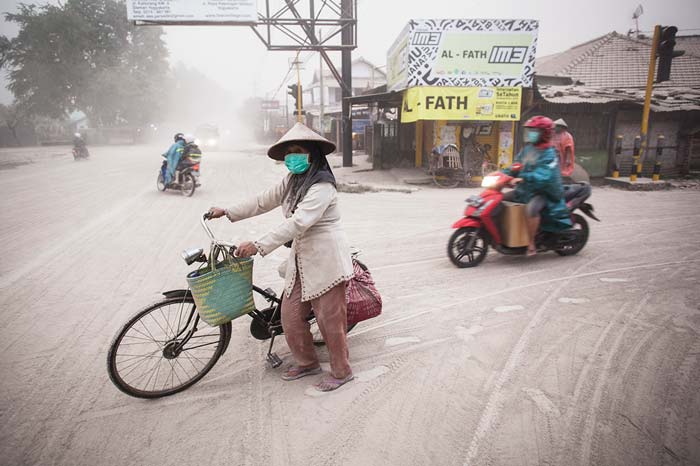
207,216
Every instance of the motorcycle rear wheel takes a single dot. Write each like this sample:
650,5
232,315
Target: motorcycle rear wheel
467,247
188,185
580,223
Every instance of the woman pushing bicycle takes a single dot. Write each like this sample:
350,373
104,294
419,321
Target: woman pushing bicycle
319,262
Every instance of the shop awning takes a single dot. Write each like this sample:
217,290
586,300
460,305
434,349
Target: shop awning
384,99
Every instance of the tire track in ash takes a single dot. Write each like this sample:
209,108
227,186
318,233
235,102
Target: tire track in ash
602,379
550,427
584,377
566,278
677,417
332,448
587,424
494,405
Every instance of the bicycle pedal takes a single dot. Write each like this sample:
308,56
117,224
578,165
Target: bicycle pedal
274,360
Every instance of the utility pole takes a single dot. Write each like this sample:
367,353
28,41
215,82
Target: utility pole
286,108
320,81
347,36
296,62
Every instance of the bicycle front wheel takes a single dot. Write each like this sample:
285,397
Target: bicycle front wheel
164,349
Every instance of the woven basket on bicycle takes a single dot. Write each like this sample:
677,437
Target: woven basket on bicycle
223,290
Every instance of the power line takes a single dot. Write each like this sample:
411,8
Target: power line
291,67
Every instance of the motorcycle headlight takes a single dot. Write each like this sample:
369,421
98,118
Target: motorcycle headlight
489,181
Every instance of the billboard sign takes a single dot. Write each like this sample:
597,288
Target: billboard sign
461,103
188,11
397,62
467,52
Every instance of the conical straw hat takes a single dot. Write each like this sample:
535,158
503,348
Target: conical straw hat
561,122
300,133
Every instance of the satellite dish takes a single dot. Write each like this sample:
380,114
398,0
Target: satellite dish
639,11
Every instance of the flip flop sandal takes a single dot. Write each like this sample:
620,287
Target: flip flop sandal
296,372
332,383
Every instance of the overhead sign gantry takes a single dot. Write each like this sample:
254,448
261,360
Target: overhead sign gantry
281,25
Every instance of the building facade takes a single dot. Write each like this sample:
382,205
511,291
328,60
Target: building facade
598,87
322,99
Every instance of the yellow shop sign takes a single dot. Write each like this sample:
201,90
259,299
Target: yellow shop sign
461,103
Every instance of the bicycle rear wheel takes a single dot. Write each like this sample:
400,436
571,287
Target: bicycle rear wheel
164,349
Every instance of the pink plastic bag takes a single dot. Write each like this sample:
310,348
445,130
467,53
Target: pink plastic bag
364,301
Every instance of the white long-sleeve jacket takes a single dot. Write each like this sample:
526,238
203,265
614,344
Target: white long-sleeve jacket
320,247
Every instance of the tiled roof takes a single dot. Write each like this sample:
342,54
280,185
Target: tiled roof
669,99
691,44
618,61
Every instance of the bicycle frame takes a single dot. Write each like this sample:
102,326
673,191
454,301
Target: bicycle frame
272,324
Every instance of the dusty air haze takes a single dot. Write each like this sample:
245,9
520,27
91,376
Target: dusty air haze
591,359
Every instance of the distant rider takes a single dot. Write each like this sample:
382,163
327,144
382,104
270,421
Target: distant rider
173,156
79,145
538,183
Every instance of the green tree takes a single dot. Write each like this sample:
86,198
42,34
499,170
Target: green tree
85,55
12,116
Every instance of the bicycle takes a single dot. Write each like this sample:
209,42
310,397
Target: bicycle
478,160
167,335
445,166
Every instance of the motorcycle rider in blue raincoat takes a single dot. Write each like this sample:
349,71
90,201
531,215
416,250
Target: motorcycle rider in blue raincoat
173,156
538,183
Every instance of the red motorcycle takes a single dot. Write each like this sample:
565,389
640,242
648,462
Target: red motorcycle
483,224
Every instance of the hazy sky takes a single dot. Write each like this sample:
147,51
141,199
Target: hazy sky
235,57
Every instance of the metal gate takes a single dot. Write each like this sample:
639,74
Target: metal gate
385,149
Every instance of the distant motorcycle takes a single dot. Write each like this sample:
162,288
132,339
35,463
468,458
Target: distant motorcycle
186,178
80,150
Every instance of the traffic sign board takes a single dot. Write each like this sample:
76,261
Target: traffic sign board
270,104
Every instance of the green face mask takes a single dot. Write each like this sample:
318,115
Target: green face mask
297,163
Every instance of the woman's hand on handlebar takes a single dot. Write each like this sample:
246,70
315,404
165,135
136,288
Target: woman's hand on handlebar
246,249
216,212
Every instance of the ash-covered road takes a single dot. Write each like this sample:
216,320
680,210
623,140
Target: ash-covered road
591,359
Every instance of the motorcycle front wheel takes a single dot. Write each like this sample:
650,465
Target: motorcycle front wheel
467,247
160,182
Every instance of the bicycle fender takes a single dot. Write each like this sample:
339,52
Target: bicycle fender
467,222
177,294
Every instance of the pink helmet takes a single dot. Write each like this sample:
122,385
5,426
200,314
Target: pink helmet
546,127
